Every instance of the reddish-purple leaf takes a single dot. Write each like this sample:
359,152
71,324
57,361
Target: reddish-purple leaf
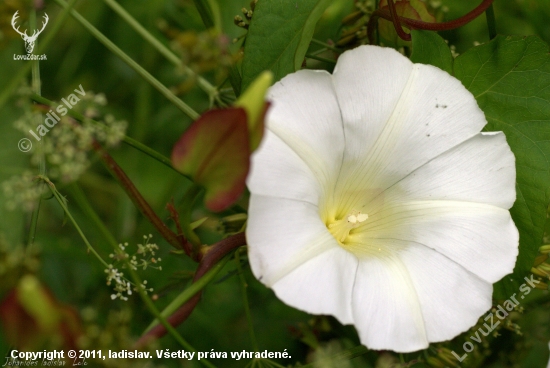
215,152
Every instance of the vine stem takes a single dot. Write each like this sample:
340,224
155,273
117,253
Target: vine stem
136,197
418,24
131,63
211,257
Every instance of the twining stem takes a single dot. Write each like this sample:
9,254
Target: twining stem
418,24
21,73
162,49
245,300
395,21
129,141
132,64
136,197
86,207
214,254
491,22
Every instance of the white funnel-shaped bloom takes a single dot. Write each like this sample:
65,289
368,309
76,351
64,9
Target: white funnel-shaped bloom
376,199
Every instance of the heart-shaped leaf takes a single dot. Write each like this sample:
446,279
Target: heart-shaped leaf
279,36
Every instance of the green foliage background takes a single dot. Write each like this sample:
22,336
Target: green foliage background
508,76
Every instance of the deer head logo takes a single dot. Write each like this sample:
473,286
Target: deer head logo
29,40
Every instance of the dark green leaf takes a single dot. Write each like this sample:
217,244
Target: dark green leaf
510,78
279,36
429,48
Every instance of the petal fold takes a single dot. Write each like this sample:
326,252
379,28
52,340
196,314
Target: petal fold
284,234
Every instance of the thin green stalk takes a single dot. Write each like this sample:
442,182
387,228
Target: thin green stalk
128,60
21,73
161,48
151,153
315,57
189,292
36,88
129,141
320,51
324,44
245,300
63,205
491,21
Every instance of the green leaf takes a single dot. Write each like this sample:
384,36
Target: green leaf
429,48
215,152
279,36
510,78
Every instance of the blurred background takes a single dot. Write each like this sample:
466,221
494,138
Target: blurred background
76,278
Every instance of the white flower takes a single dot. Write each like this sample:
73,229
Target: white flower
376,199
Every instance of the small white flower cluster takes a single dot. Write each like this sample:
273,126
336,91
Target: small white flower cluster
65,148
67,145
146,252
143,258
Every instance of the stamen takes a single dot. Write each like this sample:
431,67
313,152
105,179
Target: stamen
340,229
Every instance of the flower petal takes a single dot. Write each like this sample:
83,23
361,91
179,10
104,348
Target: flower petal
452,299
481,238
481,170
397,116
386,310
277,171
405,302
306,116
283,234
322,285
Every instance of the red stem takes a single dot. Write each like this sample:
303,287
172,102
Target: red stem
136,197
395,21
418,24
213,256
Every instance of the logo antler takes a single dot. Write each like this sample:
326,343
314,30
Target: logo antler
29,40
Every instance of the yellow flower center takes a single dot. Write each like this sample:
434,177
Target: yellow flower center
341,228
